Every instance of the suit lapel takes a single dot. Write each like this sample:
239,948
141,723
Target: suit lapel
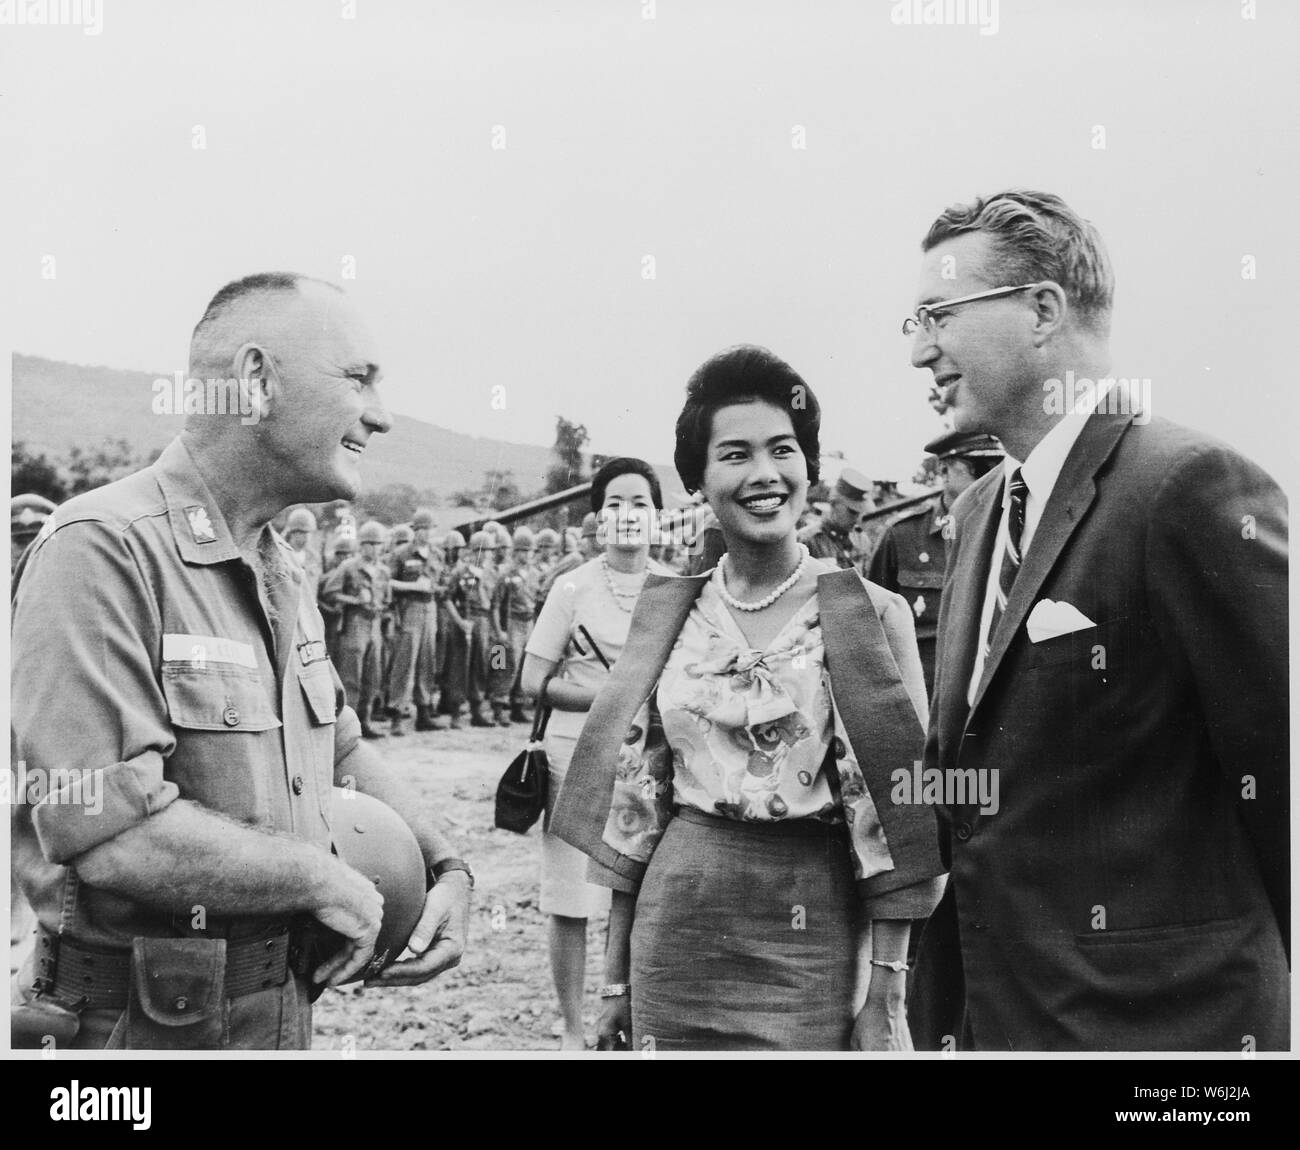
1073,494
964,603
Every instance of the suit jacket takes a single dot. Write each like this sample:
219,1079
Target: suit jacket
876,689
1131,891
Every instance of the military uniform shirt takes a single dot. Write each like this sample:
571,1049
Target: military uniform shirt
150,665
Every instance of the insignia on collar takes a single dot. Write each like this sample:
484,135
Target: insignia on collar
200,525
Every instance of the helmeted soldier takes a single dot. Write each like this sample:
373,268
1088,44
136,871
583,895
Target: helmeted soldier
455,628
359,588
912,553
516,606
546,547
299,533
832,536
414,569
487,639
344,547
27,515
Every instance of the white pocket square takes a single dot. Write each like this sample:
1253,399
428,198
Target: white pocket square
1050,619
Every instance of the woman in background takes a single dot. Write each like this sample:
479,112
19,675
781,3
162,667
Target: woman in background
581,628
733,782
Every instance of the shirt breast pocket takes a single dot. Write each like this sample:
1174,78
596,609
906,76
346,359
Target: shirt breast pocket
920,578
221,715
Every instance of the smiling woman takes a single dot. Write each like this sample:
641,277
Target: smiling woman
764,883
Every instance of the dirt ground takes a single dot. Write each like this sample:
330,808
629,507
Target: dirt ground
501,996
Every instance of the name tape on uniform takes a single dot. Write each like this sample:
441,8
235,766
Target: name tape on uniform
200,649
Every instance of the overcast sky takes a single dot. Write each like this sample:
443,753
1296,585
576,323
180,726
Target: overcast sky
671,137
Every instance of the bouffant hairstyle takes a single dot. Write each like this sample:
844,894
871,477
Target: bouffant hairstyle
744,374
623,465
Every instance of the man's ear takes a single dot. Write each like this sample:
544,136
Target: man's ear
1050,309
255,369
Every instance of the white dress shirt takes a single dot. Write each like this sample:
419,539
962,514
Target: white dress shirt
1040,473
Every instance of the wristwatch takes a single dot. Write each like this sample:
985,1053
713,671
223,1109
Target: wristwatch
441,867
898,966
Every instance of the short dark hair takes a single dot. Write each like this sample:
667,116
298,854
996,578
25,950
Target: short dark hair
623,465
1037,236
261,282
744,374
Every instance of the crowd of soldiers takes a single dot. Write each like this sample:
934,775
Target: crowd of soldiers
432,627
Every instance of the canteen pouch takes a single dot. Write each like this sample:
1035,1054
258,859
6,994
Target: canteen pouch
176,1000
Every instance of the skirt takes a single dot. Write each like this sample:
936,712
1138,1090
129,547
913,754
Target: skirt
745,937
564,888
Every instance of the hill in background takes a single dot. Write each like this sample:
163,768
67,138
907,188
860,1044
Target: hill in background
57,406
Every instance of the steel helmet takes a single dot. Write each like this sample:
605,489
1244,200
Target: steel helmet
372,531
402,533
373,838
493,528
300,519
523,537
27,514
480,540
422,518
345,544
454,539
547,537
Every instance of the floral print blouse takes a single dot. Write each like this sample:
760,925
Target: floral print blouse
749,733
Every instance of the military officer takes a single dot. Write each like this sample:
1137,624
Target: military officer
359,589
173,702
832,536
414,570
912,553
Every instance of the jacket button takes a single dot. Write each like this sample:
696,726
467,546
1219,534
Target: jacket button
297,784
962,831
182,1002
230,717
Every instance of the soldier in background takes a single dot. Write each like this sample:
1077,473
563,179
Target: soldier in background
912,554
579,546
832,536
414,570
298,532
516,608
344,547
545,547
456,629
478,583
399,536
359,589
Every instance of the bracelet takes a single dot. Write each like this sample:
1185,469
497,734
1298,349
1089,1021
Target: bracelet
898,966
438,869
615,990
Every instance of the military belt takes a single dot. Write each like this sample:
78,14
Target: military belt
97,978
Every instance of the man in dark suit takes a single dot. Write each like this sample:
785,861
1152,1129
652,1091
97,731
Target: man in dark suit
1112,664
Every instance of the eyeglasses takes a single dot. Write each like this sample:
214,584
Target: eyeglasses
927,316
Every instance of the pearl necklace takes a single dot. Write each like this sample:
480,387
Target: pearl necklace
721,580
618,595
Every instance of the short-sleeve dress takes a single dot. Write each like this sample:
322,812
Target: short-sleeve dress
580,597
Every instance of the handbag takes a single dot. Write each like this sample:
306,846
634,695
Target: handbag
521,793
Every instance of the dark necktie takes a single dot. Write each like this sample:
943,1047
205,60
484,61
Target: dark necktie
1010,554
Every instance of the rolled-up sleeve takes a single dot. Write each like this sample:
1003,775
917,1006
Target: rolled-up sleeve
90,725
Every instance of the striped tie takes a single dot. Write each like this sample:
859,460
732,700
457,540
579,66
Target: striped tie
1011,555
